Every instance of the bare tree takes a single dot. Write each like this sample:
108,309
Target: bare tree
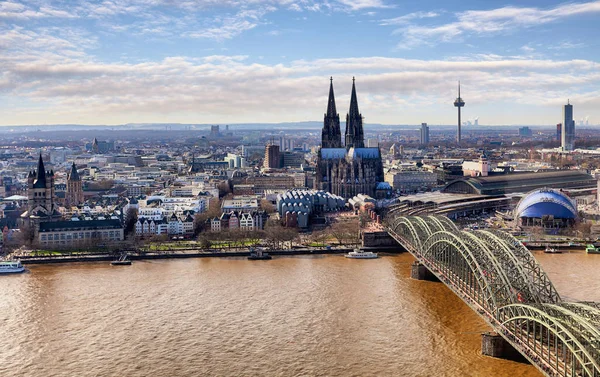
25,236
204,242
131,218
584,228
213,210
274,234
289,235
320,238
267,206
346,232
224,189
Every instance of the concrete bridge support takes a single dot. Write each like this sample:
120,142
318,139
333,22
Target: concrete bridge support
420,272
494,345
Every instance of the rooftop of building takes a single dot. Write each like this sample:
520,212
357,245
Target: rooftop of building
339,153
521,182
53,226
547,202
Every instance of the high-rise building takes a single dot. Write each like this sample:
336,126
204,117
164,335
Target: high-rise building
424,134
568,134
372,143
74,194
272,157
525,132
558,132
291,159
459,103
214,131
235,161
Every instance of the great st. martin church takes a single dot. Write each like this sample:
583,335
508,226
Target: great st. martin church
350,169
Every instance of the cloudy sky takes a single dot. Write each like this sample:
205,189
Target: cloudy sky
232,61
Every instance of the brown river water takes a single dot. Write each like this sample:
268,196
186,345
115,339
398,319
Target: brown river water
291,316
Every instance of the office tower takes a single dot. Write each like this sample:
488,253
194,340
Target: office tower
214,131
558,132
272,156
424,134
568,134
525,132
459,103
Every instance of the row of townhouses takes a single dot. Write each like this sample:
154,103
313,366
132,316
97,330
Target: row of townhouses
233,220
171,226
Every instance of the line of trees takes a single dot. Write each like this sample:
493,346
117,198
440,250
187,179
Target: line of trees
346,232
273,236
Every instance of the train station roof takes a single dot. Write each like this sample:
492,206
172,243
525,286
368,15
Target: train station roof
521,182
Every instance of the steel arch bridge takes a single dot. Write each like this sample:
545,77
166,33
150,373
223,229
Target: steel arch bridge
500,279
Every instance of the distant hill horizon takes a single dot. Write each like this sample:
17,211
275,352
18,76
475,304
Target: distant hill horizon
245,126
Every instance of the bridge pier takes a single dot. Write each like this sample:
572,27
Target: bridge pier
494,345
419,272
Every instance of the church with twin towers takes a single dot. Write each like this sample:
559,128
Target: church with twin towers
346,167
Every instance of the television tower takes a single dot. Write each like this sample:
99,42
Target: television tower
458,103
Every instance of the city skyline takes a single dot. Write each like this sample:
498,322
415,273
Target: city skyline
269,61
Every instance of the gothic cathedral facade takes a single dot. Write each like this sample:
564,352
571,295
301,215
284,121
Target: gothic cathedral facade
349,169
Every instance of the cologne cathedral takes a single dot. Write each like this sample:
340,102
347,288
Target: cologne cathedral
349,169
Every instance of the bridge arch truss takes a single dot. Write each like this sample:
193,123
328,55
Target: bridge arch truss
501,280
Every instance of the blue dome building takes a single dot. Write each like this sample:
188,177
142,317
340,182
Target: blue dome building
547,208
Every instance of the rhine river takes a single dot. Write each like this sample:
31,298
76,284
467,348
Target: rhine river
291,316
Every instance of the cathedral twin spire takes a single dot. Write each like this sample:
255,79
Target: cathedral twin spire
354,126
331,134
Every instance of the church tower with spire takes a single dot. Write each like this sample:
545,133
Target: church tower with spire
41,196
331,136
354,126
74,195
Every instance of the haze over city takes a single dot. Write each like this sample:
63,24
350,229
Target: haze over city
263,61
299,188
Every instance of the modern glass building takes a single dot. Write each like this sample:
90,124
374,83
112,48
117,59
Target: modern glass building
568,128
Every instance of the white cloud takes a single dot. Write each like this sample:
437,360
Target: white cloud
53,76
407,18
10,10
210,19
64,84
566,45
527,49
482,22
363,4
